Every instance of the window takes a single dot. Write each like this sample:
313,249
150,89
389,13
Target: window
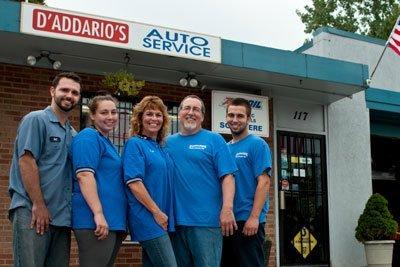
121,133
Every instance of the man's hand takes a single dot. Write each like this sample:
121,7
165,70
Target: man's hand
251,226
101,226
40,218
227,221
162,219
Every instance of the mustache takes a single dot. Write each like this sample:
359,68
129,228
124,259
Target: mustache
189,117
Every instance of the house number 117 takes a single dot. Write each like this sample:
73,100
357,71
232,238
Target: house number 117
300,115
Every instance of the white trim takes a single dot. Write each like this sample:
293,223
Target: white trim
85,169
133,180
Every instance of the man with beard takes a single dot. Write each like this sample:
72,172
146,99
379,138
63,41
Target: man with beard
204,188
253,159
41,179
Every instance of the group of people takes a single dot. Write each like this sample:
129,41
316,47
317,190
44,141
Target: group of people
189,199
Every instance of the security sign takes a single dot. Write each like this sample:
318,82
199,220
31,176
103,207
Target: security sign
304,242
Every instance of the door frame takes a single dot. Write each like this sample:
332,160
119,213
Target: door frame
275,167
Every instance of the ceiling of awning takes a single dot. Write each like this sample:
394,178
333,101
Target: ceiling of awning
97,59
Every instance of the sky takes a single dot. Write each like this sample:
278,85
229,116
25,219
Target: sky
271,23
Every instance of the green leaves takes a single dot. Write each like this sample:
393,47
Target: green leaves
122,83
376,222
367,17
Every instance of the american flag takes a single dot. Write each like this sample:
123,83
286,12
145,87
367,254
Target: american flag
394,38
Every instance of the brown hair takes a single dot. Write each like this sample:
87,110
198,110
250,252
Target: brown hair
69,75
240,102
149,102
94,102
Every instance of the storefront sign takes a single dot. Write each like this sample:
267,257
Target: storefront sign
61,24
49,22
177,43
259,124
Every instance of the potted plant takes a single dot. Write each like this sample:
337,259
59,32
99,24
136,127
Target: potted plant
122,82
377,229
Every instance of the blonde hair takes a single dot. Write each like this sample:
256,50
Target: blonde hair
149,102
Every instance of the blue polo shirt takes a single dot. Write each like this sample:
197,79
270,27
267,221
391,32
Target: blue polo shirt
93,152
200,161
41,133
146,161
253,157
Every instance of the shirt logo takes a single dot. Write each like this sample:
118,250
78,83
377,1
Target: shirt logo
241,155
55,139
198,147
151,150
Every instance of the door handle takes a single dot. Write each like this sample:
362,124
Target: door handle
282,202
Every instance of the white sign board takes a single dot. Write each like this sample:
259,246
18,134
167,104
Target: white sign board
176,43
301,116
259,124
61,24
68,25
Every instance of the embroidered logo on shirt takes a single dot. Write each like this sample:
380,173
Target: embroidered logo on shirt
55,139
241,155
200,147
151,150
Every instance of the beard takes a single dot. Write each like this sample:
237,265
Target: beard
58,101
188,126
238,131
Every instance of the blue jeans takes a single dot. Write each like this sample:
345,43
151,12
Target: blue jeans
158,252
197,246
31,249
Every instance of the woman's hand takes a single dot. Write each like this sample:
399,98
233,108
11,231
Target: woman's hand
161,218
101,226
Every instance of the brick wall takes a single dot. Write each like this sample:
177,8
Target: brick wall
23,89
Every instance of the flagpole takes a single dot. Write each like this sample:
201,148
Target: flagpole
379,61
383,52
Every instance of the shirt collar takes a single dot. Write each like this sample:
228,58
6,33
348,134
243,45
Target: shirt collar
52,116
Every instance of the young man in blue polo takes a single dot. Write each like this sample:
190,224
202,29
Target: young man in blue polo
253,159
41,179
203,187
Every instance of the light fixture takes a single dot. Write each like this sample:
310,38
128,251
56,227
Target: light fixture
190,80
32,60
183,82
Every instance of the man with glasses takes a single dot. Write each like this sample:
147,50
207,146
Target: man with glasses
204,188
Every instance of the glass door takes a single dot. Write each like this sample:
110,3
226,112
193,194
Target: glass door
303,205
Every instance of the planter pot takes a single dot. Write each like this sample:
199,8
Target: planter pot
379,253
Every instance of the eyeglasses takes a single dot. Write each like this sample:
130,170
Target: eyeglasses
189,108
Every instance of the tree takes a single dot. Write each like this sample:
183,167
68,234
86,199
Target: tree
374,18
40,2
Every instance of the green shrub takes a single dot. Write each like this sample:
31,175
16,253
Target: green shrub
376,222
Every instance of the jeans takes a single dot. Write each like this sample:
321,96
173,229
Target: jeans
97,253
244,251
197,246
34,250
158,252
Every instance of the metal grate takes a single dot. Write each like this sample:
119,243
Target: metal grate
303,199
120,134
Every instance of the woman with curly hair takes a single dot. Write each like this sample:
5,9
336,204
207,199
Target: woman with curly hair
147,174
